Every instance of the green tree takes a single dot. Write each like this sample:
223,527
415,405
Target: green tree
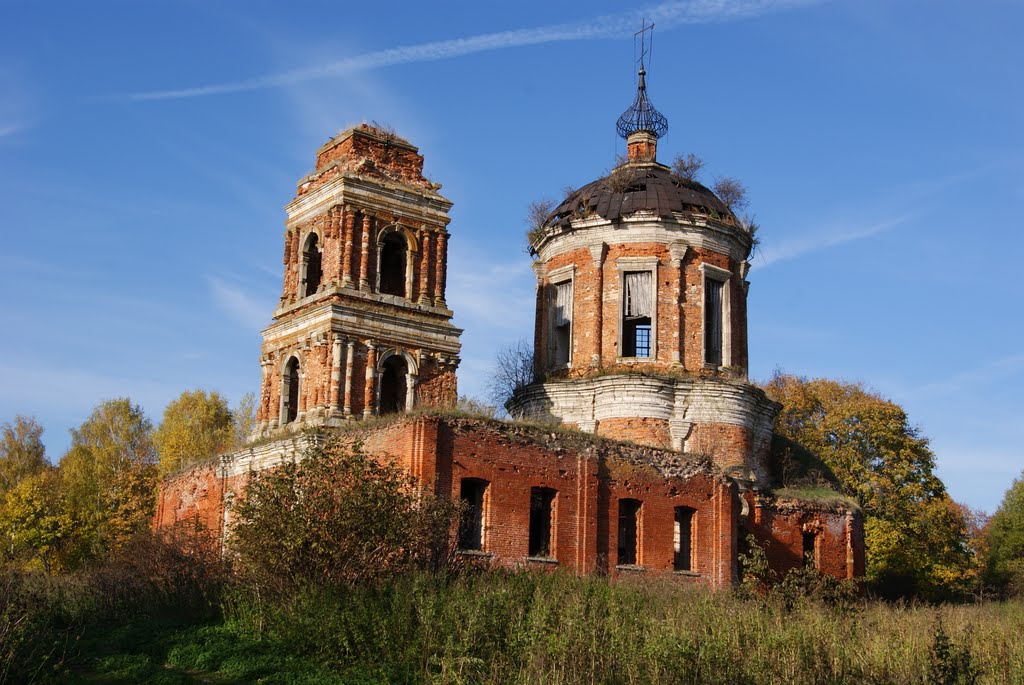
916,536
22,453
195,426
337,516
1005,563
109,478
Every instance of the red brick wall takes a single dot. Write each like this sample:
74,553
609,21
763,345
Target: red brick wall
437,386
590,479
196,495
779,528
679,325
645,431
725,444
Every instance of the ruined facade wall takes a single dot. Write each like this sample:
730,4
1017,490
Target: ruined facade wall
194,496
436,387
780,529
590,481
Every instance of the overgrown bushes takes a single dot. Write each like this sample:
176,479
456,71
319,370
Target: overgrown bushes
43,618
337,516
343,573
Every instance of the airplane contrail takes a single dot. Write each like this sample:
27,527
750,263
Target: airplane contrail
666,16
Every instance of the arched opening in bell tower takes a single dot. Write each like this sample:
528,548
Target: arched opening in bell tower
312,263
393,384
290,391
394,258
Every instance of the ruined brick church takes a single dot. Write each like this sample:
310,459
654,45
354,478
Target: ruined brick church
662,464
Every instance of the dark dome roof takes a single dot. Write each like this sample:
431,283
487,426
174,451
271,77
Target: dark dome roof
629,188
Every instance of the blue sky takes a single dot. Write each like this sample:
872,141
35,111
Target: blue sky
147,151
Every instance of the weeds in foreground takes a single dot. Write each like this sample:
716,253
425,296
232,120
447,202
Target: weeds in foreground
506,627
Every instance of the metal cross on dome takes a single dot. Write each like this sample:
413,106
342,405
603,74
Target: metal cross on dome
641,115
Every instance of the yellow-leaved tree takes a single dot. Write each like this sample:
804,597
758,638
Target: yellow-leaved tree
22,453
915,534
196,426
108,479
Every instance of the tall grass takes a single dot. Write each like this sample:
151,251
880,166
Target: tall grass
555,628
44,619
485,627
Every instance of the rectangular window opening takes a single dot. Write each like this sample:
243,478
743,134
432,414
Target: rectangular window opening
683,539
471,527
809,545
561,352
637,313
713,321
629,525
561,324
541,507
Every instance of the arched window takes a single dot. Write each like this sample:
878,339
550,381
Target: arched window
394,258
290,391
311,265
393,384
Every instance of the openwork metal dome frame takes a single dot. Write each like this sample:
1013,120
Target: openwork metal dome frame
641,115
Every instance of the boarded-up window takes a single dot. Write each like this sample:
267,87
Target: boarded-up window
471,528
682,539
541,507
713,321
629,525
561,324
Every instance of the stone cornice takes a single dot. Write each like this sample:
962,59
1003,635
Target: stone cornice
696,400
679,231
373,195
354,320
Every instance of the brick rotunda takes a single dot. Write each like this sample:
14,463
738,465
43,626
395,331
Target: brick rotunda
662,464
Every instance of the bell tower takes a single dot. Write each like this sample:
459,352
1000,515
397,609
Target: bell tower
362,327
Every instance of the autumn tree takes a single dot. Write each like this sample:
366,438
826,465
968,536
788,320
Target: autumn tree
337,516
195,426
35,524
22,453
243,417
109,476
1005,563
916,536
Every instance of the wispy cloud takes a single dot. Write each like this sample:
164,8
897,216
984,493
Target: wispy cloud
667,15
239,303
495,295
834,235
997,370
